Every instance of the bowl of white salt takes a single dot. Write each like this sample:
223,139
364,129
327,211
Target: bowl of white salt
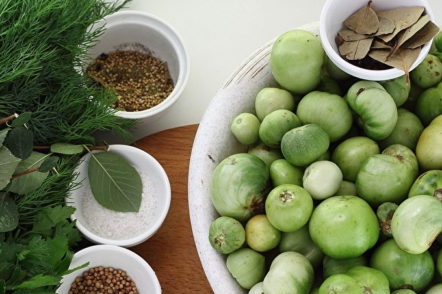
103,225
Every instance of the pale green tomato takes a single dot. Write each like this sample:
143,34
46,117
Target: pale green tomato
436,289
288,207
347,188
296,60
245,128
261,235
246,266
283,172
257,289
265,153
329,111
226,234
427,151
344,226
322,179
333,266
290,272
351,153
275,124
428,73
270,99
399,88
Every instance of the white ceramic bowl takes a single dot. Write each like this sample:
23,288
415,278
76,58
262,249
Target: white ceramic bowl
103,226
334,12
117,257
213,142
125,28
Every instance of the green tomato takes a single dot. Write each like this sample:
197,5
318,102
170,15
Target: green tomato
427,152
346,188
403,270
300,241
376,109
303,145
436,289
351,153
428,183
439,262
429,104
283,172
399,88
362,280
246,266
270,99
387,176
290,272
329,85
245,128
296,60
344,226
258,288
329,111
428,73
406,132
288,207
334,71
402,291
261,235
226,234
333,266
360,86
265,153
322,179
238,185
275,124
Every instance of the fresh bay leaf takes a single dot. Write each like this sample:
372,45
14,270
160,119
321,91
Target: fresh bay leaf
22,119
48,164
363,21
30,181
3,134
422,36
8,164
66,148
115,184
8,213
20,141
355,50
402,17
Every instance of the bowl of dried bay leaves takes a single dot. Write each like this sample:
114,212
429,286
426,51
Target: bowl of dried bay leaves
378,39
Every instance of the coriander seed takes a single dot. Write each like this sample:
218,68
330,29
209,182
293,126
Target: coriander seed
140,80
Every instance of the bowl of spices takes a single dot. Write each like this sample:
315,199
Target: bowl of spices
376,39
120,216
109,269
142,59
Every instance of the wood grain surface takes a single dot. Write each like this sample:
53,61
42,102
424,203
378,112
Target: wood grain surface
171,251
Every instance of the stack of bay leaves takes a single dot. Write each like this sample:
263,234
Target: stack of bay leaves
384,39
49,115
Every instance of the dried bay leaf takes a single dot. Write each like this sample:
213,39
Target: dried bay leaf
402,59
422,36
378,44
355,50
364,21
412,30
402,17
386,26
350,35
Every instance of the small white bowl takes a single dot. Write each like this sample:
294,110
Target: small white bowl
333,14
99,224
117,257
125,28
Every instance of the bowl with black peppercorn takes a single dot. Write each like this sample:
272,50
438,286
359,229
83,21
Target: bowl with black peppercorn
142,59
109,269
375,39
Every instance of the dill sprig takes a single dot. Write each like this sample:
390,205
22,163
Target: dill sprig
42,46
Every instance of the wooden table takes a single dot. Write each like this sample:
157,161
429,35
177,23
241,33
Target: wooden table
171,251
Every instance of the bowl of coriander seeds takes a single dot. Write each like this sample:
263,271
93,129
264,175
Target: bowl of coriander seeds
109,269
142,59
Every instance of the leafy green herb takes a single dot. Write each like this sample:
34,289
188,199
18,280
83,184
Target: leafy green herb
115,184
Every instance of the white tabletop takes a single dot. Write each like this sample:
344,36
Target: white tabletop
219,36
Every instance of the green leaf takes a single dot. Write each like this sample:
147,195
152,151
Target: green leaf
20,141
115,184
38,281
8,213
28,182
2,287
66,148
3,134
8,164
21,119
49,217
48,164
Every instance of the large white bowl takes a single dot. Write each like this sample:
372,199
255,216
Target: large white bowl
125,28
214,142
117,257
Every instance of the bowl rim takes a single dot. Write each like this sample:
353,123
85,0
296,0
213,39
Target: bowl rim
358,72
156,225
82,254
175,40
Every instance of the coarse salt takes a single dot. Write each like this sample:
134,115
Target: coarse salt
119,225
